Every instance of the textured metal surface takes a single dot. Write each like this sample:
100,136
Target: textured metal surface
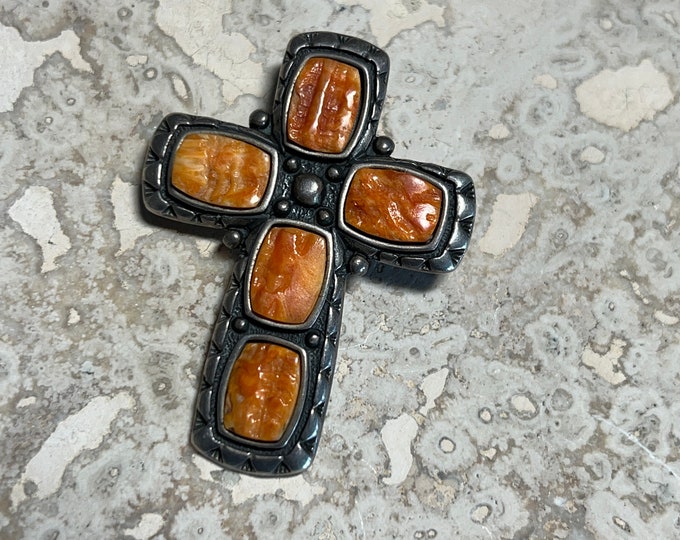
307,189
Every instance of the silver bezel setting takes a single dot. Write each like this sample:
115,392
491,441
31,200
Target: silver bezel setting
367,90
271,183
382,244
299,404
327,273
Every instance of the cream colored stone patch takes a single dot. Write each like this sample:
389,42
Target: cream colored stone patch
546,81
509,218
382,325
433,386
207,247
35,212
84,430
197,28
489,453
137,60
480,513
523,404
73,317
606,24
606,365
147,527
126,218
390,17
180,87
636,287
295,488
26,402
665,318
592,154
398,434
624,98
499,131
19,59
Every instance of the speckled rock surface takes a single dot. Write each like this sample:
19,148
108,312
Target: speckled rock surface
531,394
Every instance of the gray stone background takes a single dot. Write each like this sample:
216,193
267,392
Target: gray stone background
531,394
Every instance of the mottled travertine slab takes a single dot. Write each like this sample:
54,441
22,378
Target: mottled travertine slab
532,393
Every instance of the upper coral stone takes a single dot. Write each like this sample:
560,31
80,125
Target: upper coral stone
324,106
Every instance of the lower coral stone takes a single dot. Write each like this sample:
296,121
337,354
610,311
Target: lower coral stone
393,205
288,275
221,170
262,391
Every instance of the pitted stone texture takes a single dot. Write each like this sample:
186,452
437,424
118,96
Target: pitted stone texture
262,390
393,205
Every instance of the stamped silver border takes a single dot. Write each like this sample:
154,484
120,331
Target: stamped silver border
370,240
299,405
324,288
271,184
367,91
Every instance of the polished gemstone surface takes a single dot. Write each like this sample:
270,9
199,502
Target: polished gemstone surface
288,275
262,391
221,170
393,205
324,106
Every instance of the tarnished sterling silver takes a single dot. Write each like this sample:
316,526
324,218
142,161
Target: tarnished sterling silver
307,194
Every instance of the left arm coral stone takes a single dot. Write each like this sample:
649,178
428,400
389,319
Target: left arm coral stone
221,171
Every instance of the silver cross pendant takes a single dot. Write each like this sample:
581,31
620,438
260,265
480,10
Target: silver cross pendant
307,195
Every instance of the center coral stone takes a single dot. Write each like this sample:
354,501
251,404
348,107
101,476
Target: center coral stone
393,205
324,106
263,388
220,170
288,275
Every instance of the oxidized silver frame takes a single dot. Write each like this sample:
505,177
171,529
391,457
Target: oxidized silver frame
307,190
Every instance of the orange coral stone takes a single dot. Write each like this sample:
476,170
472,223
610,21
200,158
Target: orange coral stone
393,205
288,275
262,391
324,106
221,170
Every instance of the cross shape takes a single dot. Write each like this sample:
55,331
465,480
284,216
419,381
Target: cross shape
308,195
